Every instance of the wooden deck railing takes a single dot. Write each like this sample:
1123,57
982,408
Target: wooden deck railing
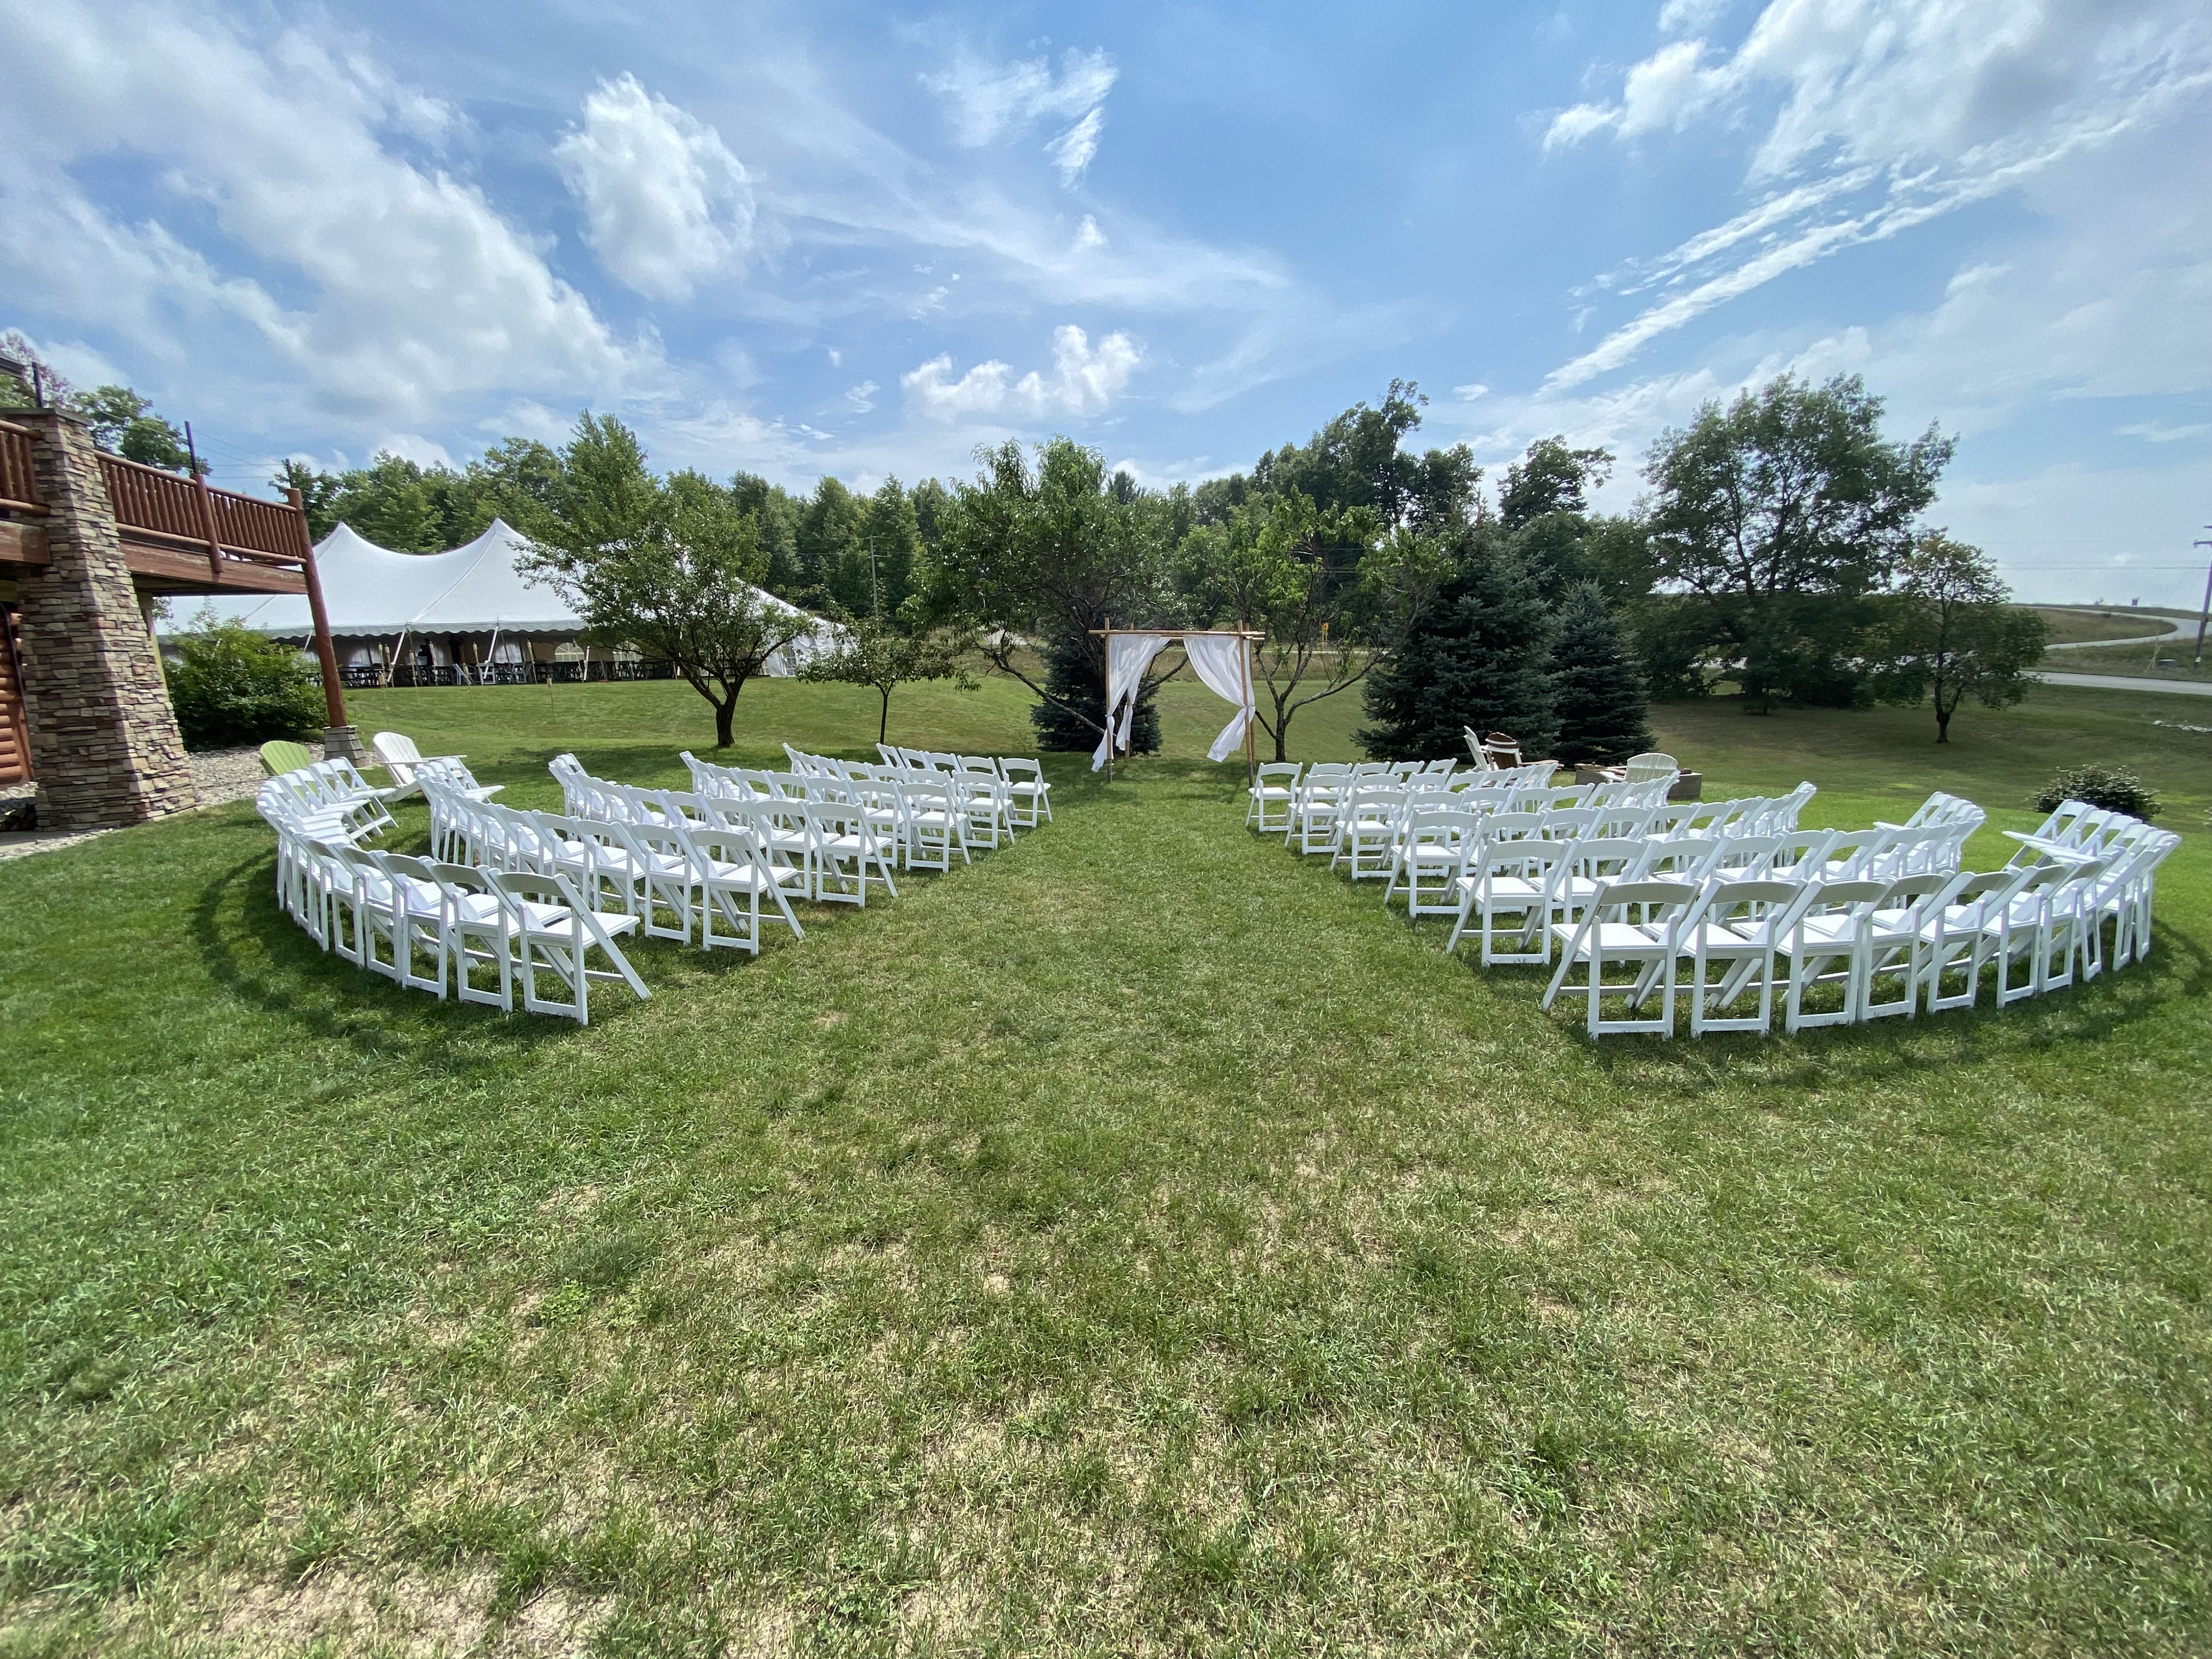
19,484
167,507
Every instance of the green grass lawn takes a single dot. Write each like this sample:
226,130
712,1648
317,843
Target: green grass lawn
1139,1242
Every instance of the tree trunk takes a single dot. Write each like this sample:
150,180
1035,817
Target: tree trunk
1943,724
726,719
883,724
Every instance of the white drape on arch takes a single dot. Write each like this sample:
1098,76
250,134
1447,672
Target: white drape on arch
1219,659
1128,657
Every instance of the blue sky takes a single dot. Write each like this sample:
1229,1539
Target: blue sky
841,239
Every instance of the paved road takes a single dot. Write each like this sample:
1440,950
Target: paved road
2175,629
2126,682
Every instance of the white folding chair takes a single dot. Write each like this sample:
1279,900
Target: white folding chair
552,931
1741,927
1275,786
1030,795
1635,924
1824,947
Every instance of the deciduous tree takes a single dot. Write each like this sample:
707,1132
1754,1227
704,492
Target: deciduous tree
668,569
1777,519
1035,558
1952,633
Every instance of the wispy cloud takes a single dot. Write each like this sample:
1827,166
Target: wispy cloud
1892,113
987,101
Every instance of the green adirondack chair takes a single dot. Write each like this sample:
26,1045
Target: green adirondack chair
281,755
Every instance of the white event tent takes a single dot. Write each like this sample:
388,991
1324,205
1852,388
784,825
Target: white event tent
467,607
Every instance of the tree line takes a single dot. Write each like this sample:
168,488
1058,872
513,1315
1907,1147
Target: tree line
1780,546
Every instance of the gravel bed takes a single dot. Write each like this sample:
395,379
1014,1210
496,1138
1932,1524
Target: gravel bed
221,775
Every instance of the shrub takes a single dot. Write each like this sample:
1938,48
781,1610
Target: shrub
234,688
2113,788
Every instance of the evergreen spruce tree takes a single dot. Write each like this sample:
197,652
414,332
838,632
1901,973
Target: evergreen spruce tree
1071,677
1481,657
1604,707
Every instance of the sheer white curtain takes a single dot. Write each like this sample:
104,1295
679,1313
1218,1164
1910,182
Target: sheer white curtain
1219,659
1128,657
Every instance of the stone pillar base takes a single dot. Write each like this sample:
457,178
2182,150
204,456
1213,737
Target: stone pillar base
343,743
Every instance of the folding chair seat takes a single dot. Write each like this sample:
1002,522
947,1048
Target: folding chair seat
1741,927
554,932
1638,925
1275,786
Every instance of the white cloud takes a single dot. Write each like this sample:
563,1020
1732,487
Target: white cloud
1084,381
1886,114
1072,151
665,203
2159,432
988,102
402,288
863,396
414,447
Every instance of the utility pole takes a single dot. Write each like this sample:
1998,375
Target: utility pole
2205,614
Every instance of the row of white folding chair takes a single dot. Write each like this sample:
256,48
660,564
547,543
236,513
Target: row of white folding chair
1316,814
985,802
660,851
333,788
1520,865
1909,936
927,815
2075,830
1028,792
390,914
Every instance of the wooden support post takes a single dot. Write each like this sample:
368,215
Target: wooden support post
326,652
207,509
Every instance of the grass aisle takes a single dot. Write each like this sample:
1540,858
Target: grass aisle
1139,1242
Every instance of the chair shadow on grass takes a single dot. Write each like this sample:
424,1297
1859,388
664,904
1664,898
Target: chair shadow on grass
376,1015
2180,967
